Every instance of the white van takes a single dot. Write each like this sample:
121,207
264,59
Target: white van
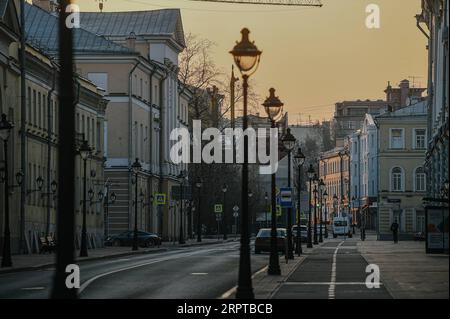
341,227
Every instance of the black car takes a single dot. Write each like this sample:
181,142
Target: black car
262,240
145,239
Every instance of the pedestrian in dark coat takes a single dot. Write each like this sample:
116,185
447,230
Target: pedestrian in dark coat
394,229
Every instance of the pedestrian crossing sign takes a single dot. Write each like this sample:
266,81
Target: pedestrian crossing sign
278,214
160,199
218,209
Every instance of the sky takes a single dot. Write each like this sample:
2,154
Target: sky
314,57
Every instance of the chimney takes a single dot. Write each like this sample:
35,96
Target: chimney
404,92
131,41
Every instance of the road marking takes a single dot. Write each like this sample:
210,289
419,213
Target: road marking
33,288
199,273
331,289
293,283
228,293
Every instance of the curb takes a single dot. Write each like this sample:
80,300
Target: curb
207,243
48,265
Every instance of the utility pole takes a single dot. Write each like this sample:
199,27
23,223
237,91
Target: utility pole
23,133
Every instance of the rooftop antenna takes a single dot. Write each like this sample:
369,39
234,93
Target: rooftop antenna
413,80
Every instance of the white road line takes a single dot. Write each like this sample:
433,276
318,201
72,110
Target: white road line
199,273
228,293
294,283
33,288
331,289
91,280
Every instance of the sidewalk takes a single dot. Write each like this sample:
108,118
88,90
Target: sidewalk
265,286
40,261
406,270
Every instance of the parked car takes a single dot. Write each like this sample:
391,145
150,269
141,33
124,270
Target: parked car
262,241
126,238
303,232
341,227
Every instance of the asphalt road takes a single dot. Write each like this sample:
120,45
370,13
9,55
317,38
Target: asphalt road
184,273
335,270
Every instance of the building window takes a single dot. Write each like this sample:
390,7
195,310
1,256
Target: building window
99,79
34,108
419,139
397,179
396,138
29,105
420,180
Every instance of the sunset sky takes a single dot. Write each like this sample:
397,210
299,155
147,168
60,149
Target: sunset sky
314,57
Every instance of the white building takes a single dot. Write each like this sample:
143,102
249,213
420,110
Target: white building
364,171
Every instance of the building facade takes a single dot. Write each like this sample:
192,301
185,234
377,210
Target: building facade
349,115
435,17
402,182
334,170
363,147
10,105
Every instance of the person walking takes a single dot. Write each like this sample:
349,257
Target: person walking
394,229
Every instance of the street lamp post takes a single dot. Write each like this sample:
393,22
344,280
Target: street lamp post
136,167
246,56
266,197
181,176
325,197
110,201
5,131
198,185
289,143
299,159
316,242
321,189
335,201
273,107
310,178
235,215
224,219
85,152
353,215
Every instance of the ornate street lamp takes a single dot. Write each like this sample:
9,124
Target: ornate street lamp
5,130
289,141
310,173
315,191
299,160
246,56
273,107
266,198
224,219
321,190
353,214
85,152
325,197
136,168
54,187
198,185
335,202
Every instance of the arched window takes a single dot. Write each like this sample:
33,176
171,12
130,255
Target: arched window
420,179
397,179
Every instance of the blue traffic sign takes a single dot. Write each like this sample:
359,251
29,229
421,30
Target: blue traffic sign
286,197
